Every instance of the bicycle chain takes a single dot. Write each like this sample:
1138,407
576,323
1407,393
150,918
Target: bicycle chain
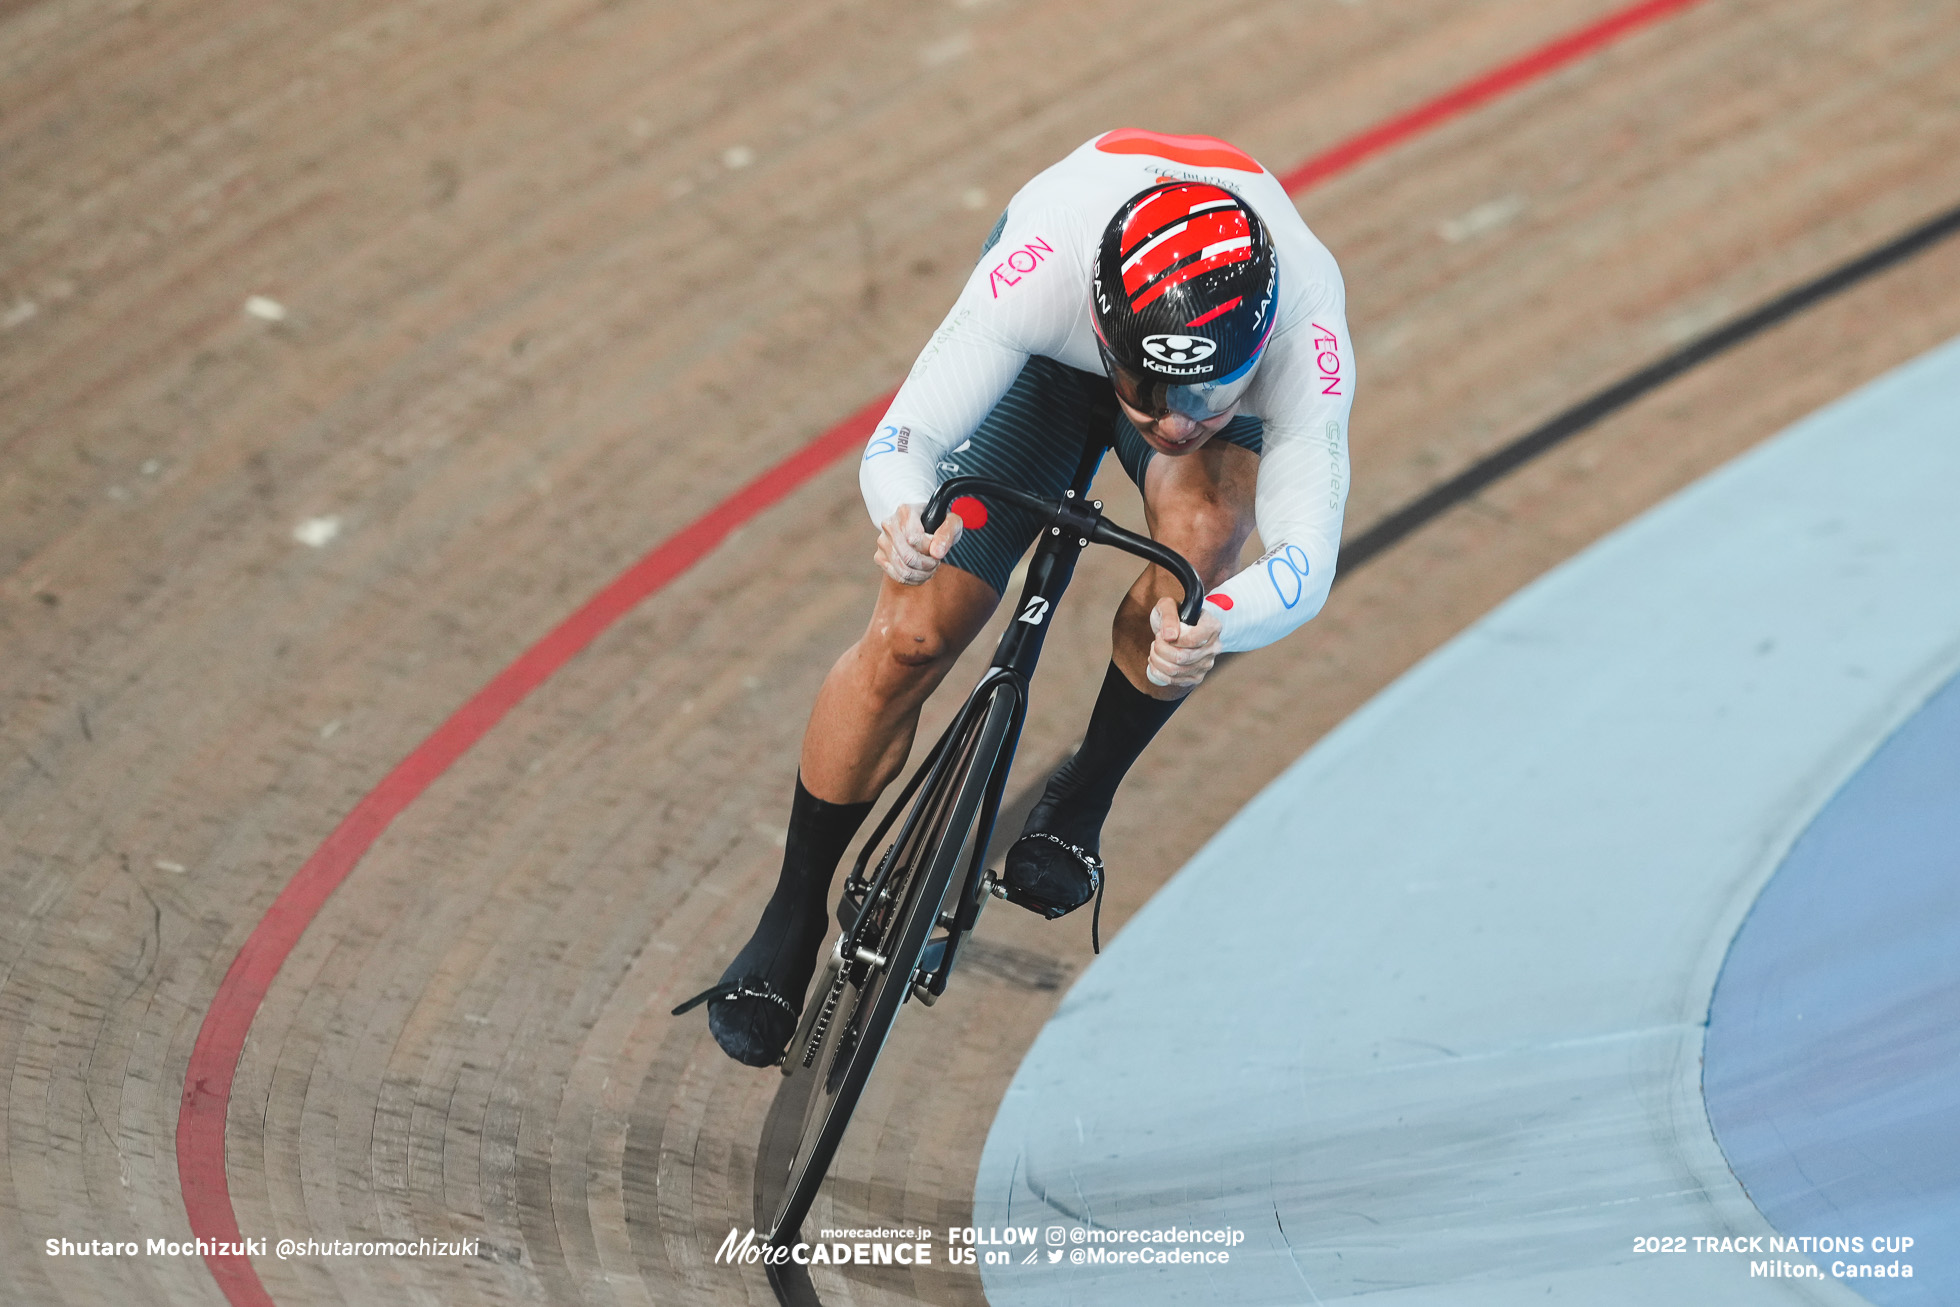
849,949
829,1010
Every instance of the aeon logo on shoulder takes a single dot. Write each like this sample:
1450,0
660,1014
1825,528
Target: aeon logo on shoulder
1179,349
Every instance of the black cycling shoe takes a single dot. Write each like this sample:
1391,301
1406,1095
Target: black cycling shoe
1047,874
748,1018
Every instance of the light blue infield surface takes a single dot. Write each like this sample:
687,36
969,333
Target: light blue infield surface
1833,1063
1425,1021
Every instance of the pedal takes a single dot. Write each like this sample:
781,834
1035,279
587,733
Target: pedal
930,961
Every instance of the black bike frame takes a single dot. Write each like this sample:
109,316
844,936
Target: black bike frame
1072,524
983,733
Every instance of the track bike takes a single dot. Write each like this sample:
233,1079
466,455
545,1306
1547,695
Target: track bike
902,921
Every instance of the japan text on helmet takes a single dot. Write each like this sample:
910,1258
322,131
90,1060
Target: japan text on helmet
1186,288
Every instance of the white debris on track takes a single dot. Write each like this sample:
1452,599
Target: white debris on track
266,310
944,51
317,531
1488,216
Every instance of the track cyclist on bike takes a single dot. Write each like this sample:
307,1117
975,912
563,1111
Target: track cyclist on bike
1202,332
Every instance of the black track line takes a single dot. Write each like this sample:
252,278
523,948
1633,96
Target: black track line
1407,520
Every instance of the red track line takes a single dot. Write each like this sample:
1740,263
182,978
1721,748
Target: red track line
221,1039
214,1058
1461,99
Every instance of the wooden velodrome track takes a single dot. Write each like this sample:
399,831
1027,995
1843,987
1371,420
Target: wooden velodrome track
557,277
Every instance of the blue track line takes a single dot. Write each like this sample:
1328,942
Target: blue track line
1833,1064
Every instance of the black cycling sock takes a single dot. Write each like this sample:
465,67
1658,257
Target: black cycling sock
782,953
1078,795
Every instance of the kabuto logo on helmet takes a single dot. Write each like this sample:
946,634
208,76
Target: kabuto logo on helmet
1179,349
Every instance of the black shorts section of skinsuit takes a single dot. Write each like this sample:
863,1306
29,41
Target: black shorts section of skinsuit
1031,440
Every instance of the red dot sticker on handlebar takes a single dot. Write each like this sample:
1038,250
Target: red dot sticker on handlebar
973,513
1222,599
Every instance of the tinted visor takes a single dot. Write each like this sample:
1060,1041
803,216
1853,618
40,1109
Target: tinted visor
1200,402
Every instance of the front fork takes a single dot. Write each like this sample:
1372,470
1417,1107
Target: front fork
961,911
1049,573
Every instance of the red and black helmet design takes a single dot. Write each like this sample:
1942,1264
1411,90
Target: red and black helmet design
1185,287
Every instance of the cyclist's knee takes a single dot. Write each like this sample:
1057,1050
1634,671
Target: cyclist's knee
916,634
910,645
1207,529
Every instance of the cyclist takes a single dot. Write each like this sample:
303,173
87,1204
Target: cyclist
1202,332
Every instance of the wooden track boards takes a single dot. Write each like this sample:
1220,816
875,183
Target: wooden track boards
536,321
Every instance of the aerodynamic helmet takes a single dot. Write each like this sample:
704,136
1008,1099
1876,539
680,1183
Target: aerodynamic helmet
1186,286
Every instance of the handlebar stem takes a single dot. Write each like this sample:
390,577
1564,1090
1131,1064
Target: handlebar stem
1078,521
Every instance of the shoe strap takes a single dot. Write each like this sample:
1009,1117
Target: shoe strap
1090,861
1095,921
1094,866
746,987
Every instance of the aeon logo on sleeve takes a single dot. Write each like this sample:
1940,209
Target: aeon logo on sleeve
1327,358
1009,271
1179,349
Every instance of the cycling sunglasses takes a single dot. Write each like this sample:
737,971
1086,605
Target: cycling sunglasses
1156,399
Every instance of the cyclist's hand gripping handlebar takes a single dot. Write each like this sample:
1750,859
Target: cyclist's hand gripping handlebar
1083,518
907,552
